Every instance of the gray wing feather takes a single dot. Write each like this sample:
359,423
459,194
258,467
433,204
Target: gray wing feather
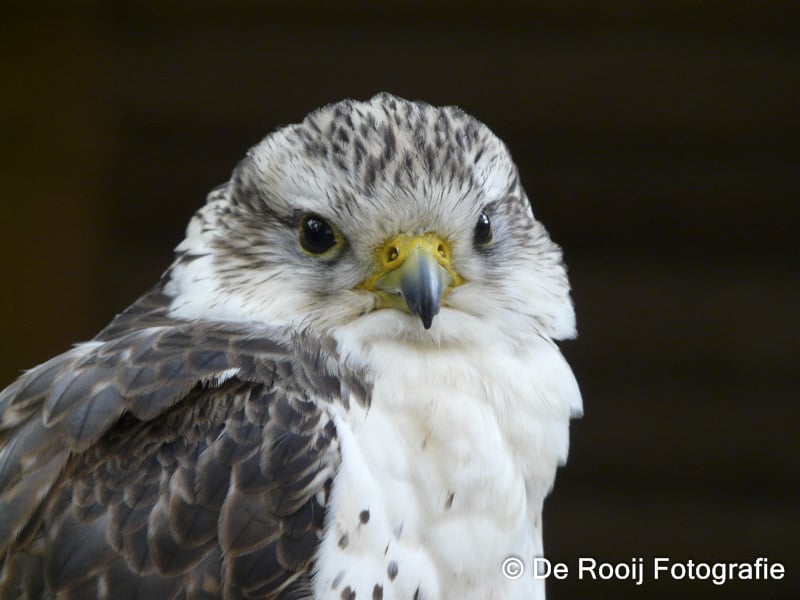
181,459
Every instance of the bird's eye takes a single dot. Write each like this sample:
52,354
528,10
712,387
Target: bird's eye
483,230
316,234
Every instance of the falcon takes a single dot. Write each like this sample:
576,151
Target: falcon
346,386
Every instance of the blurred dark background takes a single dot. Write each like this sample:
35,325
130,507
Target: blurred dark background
658,140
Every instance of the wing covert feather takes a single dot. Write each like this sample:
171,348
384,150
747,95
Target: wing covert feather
180,460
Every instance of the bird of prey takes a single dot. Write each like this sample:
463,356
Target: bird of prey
346,386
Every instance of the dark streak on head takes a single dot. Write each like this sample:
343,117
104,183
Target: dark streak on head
364,144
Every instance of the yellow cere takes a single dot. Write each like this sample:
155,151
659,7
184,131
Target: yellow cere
394,252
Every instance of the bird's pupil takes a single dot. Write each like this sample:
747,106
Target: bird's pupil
483,229
316,236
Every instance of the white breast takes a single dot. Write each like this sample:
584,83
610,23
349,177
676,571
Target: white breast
444,475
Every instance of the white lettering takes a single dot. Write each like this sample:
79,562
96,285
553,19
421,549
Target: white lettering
541,567
657,566
586,564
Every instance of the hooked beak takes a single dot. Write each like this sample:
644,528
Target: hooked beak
414,274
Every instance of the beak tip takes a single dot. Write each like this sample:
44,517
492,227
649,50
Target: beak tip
425,310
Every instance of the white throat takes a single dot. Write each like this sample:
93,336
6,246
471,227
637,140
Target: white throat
451,461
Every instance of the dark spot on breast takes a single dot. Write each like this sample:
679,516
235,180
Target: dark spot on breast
449,503
377,592
364,517
348,594
344,540
338,580
392,569
417,595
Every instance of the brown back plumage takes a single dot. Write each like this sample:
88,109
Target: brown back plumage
142,466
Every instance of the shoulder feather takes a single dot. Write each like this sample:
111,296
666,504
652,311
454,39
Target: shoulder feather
178,456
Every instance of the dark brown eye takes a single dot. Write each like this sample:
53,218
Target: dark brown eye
483,230
316,235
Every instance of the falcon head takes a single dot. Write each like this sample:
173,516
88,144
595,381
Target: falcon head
397,218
